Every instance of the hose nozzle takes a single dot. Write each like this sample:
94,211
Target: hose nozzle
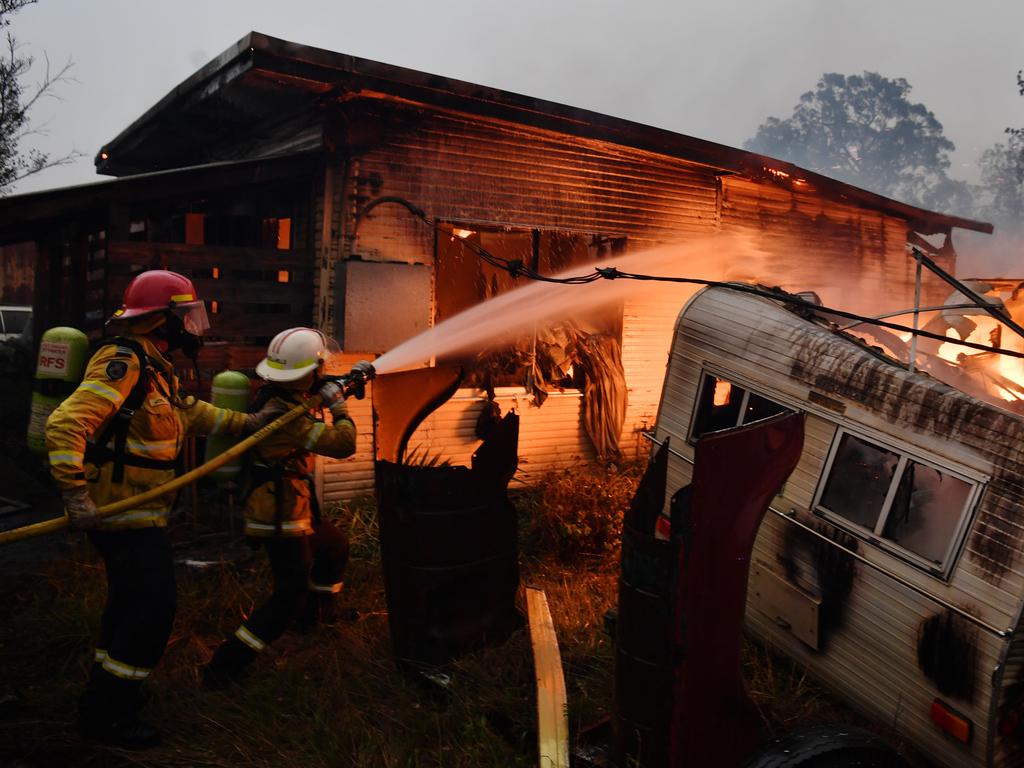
353,383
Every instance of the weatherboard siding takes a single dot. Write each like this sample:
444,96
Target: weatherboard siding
864,251
871,659
471,170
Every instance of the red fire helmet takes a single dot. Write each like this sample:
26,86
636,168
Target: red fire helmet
161,290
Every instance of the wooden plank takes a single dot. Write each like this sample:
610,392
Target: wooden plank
552,704
237,325
182,256
254,291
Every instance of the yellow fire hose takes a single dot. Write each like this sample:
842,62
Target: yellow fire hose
49,526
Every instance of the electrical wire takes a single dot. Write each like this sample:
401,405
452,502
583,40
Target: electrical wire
517,268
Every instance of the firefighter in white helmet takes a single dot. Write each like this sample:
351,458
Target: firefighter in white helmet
117,435
307,555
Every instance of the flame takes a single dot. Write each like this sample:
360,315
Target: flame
723,392
1008,370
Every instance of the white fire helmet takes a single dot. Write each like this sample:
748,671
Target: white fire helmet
294,353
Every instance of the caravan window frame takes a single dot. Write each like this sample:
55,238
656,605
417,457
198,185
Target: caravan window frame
707,373
941,569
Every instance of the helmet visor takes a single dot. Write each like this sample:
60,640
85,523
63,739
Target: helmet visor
193,317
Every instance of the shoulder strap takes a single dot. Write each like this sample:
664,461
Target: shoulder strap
117,428
265,393
271,471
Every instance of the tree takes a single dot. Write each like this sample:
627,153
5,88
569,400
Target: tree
864,130
1001,193
16,99
1017,134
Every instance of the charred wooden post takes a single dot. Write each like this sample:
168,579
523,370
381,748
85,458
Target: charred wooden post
448,533
643,637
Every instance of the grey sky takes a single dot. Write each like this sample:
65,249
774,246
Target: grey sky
708,70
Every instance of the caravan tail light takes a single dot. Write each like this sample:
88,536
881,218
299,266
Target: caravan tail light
951,721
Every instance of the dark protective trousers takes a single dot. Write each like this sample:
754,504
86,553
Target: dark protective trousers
329,546
299,565
290,560
136,621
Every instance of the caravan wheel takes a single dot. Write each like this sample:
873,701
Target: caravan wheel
828,747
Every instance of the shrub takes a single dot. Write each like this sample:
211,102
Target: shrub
578,512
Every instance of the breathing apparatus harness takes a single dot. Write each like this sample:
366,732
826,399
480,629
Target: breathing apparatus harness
116,430
259,471
173,333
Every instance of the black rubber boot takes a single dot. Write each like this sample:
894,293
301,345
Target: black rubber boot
317,609
107,713
129,733
228,664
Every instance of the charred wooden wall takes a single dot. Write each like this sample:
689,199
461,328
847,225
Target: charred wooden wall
17,273
855,258
241,233
250,293
469,170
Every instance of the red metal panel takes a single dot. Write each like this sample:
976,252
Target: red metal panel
736,475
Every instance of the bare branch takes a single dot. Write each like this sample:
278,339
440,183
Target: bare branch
42,162
16,99
48,82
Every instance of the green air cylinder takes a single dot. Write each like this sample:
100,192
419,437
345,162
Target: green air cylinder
230,390
63,353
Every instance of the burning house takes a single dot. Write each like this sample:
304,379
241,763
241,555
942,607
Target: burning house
299,186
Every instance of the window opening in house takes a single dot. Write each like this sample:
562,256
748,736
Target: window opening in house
195,228
271,218
550,356
911,507
277,233
722,404
13,321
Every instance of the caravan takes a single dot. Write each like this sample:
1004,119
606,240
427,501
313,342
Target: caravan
891,563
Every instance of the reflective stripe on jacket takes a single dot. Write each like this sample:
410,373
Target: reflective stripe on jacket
156,431
291,451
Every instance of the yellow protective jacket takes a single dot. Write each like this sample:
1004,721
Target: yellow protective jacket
156,431
282,499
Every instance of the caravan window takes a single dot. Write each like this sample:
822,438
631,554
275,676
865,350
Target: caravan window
914,508
722,404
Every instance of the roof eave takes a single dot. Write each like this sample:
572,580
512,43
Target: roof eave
343,70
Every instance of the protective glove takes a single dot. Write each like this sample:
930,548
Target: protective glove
361,373
256,421
80,508
365,369
333,397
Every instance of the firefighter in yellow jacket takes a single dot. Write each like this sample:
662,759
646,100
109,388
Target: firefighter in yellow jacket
307,556
119,434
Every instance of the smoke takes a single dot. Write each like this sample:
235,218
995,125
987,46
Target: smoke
997,255
729,257
500,320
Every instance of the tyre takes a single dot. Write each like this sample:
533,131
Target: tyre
827,747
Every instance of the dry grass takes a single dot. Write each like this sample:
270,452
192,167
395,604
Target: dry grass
333,697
